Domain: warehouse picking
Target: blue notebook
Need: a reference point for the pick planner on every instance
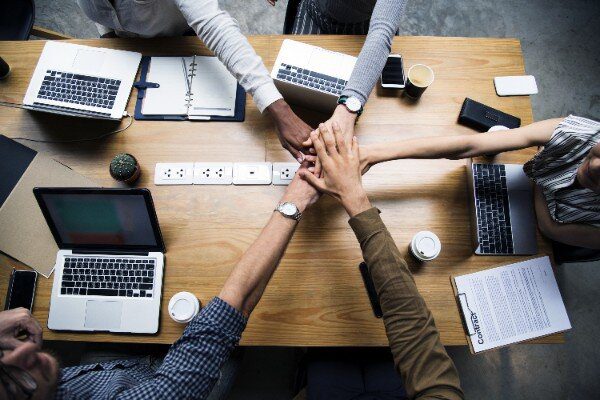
(197, 88)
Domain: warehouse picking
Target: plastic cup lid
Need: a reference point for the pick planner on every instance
(427, 244)
(183, 306)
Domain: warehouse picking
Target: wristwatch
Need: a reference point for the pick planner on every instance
(352, 104)
(289, 210)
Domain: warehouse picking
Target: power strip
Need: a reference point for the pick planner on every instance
(224, 173)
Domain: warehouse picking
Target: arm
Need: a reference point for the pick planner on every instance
(464, 146)
(419, 357)
(222, 35)
(572, 234)
(384, 24)
(371, 60)
(191, 368)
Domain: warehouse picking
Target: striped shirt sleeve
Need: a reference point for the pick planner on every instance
(554, 169)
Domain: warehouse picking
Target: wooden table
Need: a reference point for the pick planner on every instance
(316, 297)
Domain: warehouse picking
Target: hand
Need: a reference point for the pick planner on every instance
(15, 322)
(292, 131)
(300, 192)
(340, 161)
(345, 120)
(365, 160)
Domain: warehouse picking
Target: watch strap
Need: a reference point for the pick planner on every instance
(342, 100)
(295, 217)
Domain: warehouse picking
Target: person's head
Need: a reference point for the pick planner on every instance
(27, 369)
(588, 173)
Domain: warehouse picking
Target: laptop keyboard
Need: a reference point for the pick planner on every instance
(104, 276)
(79, 89)
(311, 79)
(493, 214)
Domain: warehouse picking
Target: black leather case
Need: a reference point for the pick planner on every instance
(481, 117)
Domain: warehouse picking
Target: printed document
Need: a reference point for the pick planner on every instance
(511, 304)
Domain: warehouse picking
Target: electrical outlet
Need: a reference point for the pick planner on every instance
(213, 173)
(283, 173)
(174, 174)
(252, 173)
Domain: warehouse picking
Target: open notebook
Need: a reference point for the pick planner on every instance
(193, 87)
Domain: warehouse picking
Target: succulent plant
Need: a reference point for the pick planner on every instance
(124, 167)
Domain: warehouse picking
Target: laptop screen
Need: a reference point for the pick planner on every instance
(100, 219)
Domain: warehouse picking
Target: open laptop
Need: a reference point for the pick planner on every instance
(82, 81)
(109, 267)
(311, 76)
(503, 218)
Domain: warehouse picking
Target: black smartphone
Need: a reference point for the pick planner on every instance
(21, 289)
(392, 76)
(371, 292)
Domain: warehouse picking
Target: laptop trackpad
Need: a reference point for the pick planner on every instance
(103, 315)
(89, 61)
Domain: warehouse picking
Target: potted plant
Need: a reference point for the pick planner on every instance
(125, 168)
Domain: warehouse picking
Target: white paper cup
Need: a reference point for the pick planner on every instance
(183, 307)
(425, 246)
(498, 128)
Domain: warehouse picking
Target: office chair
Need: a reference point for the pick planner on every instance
(16, 22)
(564, 253)
(290, 16)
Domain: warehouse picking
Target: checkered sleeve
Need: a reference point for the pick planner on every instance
(191, 368)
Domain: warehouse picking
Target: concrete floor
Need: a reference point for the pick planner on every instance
(561, 47)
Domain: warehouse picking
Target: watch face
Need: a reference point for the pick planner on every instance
(353, 104)
(288, 209)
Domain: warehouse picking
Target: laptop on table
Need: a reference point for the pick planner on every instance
(82, 81)
(109, 267)
(311, 76)
(502, 212)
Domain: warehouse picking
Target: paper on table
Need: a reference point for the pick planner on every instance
(214, 89)
(170, 97)
(511, 304)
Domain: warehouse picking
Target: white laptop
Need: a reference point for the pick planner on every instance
(311, 76)
(82, 81)
(109, 267)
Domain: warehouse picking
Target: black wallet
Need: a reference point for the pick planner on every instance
(481, 117)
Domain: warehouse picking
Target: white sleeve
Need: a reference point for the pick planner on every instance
(221, 34)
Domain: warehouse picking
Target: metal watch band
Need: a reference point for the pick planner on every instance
(295, 216)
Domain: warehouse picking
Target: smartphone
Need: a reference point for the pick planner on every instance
(371, 292)
(515, 85)
(21, 289)
(392, 76)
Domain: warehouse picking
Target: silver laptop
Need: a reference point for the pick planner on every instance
(503, 218)
(82, 81)
(311, 76)
(109, 267)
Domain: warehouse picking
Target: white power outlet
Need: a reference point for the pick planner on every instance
(252, 173)
(213, 173)
(283, 173)
(174, 174)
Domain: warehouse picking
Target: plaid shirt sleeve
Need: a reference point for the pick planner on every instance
(191, 368)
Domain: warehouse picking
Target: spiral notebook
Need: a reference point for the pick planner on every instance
(191, 87)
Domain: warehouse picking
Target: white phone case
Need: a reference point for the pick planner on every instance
(515, 85)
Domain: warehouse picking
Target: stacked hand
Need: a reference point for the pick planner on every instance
(15, 323)
(299, 192)
(339, 173)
